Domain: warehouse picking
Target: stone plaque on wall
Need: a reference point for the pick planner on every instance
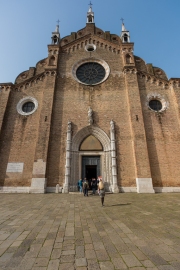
(15, 167)
(39, 167)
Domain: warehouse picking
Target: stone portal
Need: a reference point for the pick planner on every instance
(90, 167)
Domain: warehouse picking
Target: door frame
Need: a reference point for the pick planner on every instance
(91, 153)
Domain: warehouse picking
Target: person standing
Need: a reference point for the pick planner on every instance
(80, 185)
(94, 186)
(101, 190)
(85, 187)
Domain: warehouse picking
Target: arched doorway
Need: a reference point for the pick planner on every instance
(90, 165)
(90, 154)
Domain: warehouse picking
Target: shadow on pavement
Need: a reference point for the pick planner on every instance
(120, 204)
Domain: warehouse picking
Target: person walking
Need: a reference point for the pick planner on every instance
(101, 190)
(85, 187)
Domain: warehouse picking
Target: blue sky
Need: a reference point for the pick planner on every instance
(26, 27)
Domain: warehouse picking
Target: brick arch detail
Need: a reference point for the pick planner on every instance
(91, 130)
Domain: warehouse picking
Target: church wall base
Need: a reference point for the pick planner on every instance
(53, 190)
(38, 185)
(144, 185)
(166, 189)
(14, 189)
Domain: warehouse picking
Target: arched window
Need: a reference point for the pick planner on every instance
(90, 18)
(128, 59)
(52, 61)
(125, 38)
(55, 39)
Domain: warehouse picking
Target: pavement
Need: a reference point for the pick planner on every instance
(70, 231)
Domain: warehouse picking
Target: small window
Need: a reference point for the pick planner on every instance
(52, 61)
(28, 107)
(155, 105)
(125, 38)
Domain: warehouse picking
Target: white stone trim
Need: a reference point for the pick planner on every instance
(14, 189)
(23, 101)
(122, 189)
(87, 60)
(166, 189)
(128, 189)
(53, 190)
(155, 96)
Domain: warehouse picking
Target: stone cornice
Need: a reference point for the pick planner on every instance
(29, 82)
(91, 39)
(153, 79)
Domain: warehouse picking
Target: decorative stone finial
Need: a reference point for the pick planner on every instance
(56, 35)
(90, 14)
(125, 36)
(90, 116)
(69, 126)
(112, 124)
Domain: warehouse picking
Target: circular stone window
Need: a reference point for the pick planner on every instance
(156, 102)
(91, 71)
(155, 105)
(90, 47)
(27, 106)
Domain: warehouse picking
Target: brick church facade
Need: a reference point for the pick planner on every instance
(90, 108)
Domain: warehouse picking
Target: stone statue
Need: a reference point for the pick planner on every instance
(90, 114)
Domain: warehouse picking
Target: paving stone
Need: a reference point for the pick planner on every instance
(118, 263)
(106, 265)
(147, 263)
(67, 258)
(80, 252)
(102, 255)
(66, 266)
(68, 247)
(90, 254)
(55, 253)
(6, 257)
(93, 264)
(157, 260)
(53, 265)
(41, 262)
(45, 252)
(131, 260)
(81, 262)
(26, 264)
(165, 267)
(68, 252)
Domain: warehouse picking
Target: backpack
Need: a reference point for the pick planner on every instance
(85, 185)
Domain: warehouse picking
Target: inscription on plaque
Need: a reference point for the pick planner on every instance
(14, 167)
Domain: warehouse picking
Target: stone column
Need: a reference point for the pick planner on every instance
(115, 188)
(68, 158)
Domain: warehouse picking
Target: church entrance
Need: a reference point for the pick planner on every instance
(91, 171)
(90, 157)
(90, 167)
